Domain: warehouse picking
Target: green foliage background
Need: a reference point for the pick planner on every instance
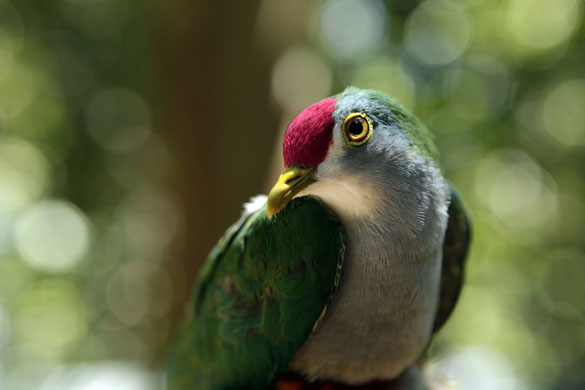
(131, 132)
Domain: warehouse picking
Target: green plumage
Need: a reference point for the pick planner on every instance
(257, 298)
(264, 286)
(455, 248)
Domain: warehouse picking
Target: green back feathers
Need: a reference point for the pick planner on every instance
(455, 250)
(258, 297)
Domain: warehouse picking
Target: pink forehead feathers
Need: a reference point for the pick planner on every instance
(308, 136)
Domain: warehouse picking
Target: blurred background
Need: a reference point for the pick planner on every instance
(131, 133)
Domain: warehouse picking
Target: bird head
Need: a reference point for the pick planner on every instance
(359, 136)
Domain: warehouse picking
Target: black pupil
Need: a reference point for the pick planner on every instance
(355, 127)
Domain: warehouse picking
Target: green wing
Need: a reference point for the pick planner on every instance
(455, 248)
(258, 297)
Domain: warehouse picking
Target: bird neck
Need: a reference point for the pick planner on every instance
(410, 209)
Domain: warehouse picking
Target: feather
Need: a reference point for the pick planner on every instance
(258, 297)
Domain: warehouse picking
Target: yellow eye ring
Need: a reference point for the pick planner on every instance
(357, 129)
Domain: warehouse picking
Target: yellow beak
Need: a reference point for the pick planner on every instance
(292, 180)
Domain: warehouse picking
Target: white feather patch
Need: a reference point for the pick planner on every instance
(254, 204)
(349, 198)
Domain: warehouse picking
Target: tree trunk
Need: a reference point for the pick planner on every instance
(214, 105)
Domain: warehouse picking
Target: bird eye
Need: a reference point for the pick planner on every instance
(357, 129)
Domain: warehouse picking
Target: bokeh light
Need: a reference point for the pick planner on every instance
(106, 375)
(24, 173)
(563, 114)
(353, 30)
(63, 322)
(52, 236)
(482, 89)
(150, 221)
(299, 78)
(512, 185)
(438, 32)
(11, 36)
(480, 368)
(542, 24)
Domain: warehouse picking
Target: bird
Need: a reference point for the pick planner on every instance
(343, 273)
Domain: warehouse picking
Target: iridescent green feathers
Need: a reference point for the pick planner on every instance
(258, 297)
